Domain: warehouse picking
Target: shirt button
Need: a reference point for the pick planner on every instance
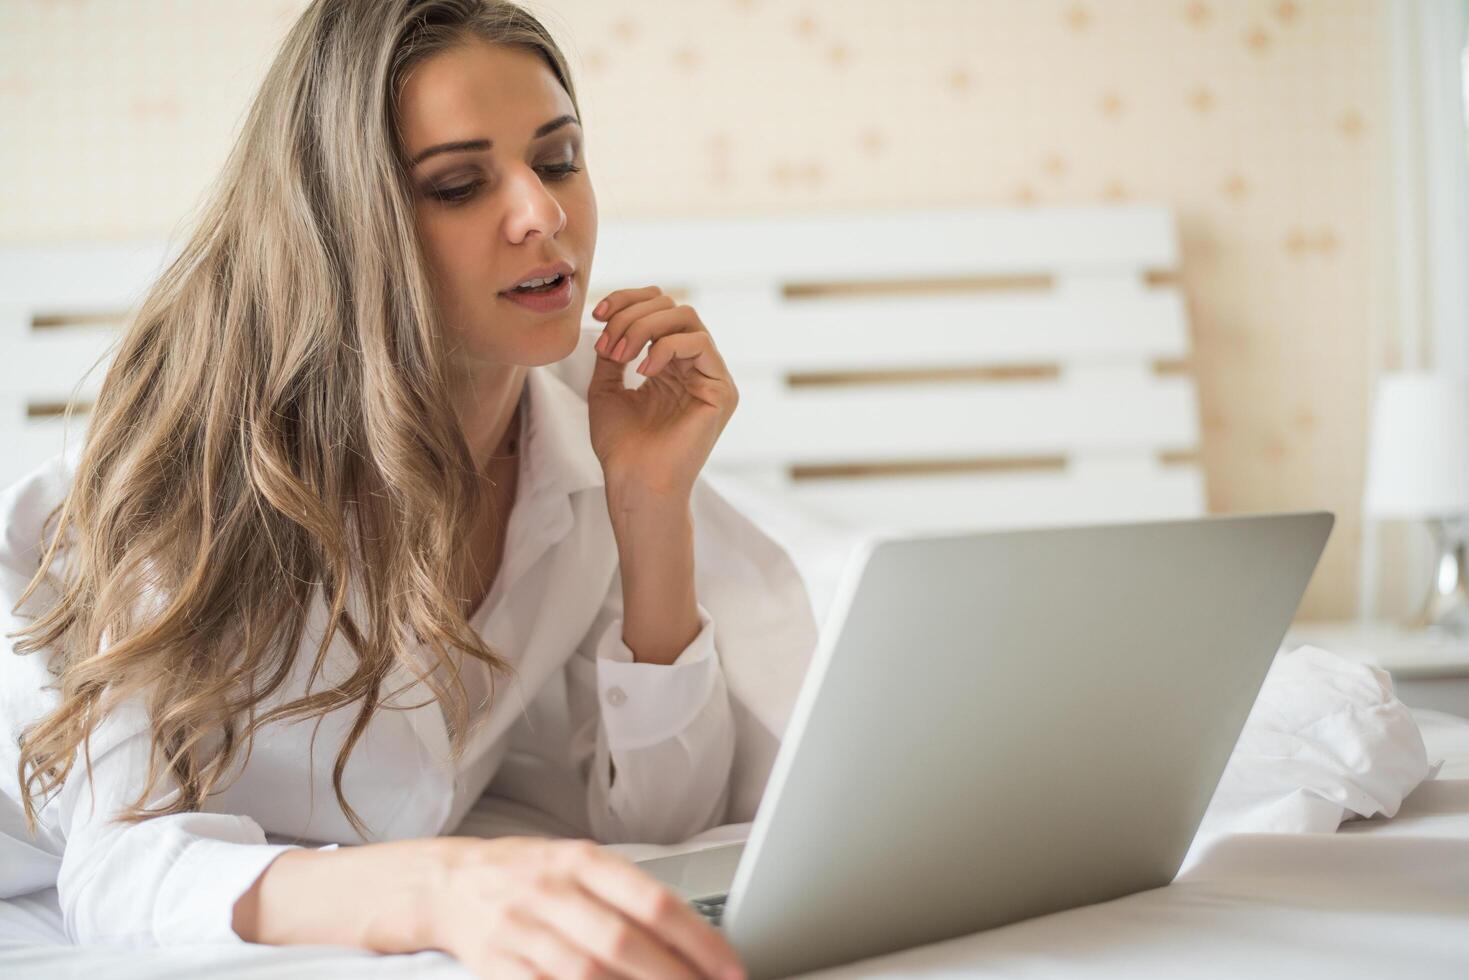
(616, 696)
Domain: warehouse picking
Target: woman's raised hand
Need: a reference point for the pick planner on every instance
(658, 435)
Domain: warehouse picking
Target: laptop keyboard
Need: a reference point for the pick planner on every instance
(711, 908)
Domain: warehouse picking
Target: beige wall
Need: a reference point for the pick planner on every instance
(1261, 122)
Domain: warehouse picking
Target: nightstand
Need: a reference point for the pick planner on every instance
(1428, 671)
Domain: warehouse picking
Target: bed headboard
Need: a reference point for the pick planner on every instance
(902, 369)
(60, 311)
(947, 369)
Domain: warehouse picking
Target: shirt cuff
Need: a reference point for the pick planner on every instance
(217, 873)
(644, 704)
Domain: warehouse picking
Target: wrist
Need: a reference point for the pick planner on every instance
(419, 914)
(381, 897)
(655, 551)
(634, 499)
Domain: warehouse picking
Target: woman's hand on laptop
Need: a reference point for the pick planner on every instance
(504, 907)
(528, 906)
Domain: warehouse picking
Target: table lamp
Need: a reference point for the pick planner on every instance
(1418, 469)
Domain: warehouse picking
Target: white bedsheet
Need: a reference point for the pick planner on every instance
(1380, 897)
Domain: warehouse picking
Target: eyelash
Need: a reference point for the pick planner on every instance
(462, 193)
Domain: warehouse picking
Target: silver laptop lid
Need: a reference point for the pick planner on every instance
(996, 726)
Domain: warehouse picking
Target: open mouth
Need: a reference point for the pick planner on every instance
(547, 287)
(547, 297)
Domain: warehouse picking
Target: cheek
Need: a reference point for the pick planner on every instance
(584, 212)
(456, 257)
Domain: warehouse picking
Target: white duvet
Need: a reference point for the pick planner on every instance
(1326, 741)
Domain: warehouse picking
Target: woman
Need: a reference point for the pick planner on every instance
(334, 514)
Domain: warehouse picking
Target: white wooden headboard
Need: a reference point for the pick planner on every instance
(902, 369)
(945, 369)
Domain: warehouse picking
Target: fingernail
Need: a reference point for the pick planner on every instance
(617, 351)
(601, 308)
(733, 973)
(602, 344)
(643, 367)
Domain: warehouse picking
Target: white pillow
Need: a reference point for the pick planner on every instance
(1327, 740)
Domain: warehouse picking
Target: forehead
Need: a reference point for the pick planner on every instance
(478, 90)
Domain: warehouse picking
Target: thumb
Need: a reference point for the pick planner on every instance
(607, 376)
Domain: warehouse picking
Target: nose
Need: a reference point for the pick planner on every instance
(532, 207)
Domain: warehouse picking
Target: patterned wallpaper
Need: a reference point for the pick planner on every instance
(1260, 121)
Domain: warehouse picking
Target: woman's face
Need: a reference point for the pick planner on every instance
(490, 212)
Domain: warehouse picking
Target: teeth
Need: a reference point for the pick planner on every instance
(532, 283)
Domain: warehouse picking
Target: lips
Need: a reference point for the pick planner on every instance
(552, 300)
(540, 272)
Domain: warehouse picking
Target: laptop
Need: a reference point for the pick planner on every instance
(1001, 725)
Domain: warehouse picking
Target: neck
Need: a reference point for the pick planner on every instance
(485, 405)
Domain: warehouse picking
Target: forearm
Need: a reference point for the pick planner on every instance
(655, 546)
(371, 897)
(488, 903)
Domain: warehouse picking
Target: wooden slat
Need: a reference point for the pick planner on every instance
(844, 245)
(29, 443)
(942, 331)
(47, 365)
(910, 376)
(1003, 501)
(877, 424)
(1033, 283)
(75, 279)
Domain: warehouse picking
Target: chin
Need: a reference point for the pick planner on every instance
(552, 341)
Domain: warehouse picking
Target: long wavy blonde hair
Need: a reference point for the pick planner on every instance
(274, 428)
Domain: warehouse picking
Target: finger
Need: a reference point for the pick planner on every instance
(643, 899)
(607, 374)
(614, 333)
(677, 319)
(619, 298)
(695, 348)
(716, 394)
(549, 950)
(609, 936)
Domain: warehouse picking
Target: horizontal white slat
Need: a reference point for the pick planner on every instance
(79, 278)
(28, 445)
(876, 423)
(47, 365)
(833, 246)
(949, 242)
(891, 333)
(993, 501)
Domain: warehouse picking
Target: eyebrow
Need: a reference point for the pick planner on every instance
(465, 146)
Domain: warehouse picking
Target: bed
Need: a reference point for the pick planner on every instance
(1380, 897)
(1016, 325)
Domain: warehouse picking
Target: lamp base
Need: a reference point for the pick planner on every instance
(1446, 607)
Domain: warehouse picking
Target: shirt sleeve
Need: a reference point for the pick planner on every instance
(166, 880)
(664, 741)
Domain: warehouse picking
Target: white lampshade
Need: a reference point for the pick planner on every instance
(1419, 454)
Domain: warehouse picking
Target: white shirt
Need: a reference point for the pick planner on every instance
(578, 701)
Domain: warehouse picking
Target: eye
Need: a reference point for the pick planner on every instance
(463, 192)
(456, 195)
(561, 171)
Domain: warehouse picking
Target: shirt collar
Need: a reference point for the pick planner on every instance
(558, 439)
